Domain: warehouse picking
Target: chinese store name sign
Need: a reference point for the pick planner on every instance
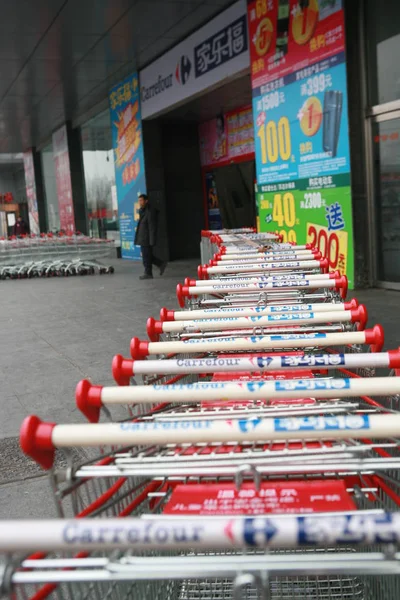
(298, 70)
(213, 53)
(126, 124)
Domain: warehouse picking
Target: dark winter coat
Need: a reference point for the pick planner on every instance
(20, 228)
(146, 231)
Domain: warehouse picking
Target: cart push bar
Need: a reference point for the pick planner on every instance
(91, 398)
(289, 531)
(269, 259)
(374, 337)
(255, 279)
(247, 311)
(204, 271)
(264, 257)
(156, 328)
(40, 439)
(124, 369)
(339, 284)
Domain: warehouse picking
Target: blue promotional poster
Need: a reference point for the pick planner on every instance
(302, 124)
(130, 178)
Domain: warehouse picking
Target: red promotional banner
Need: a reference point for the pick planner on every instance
(227, 137)
(289, 35)
(30, 185)
(278, 498)
(213, 141)
(240, 132)
(63, 180)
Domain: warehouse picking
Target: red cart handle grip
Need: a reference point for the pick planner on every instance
(167, 315)
(139, 350)
(360, 315)
(182, 292)
(88, 400)
(202, 272)
(351, 305)
(342, 285)
(35, 438)
(122, 369)
(154, 329)
(394, 359)
(375, 337)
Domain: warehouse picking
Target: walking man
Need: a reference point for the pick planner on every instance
(146, 237)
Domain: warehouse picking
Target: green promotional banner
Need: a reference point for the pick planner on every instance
(316, 210)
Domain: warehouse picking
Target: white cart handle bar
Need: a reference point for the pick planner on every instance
(124, 369)
(256, 258)
(340, 284)
(259, 257)
(249, 250)
(40, 439)
(156, 328)
(374, 337)
(204, 271)
(289, 531)
(262, 278)
(90, 398)
(210, 313)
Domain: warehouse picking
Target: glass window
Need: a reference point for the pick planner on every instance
(383, 49)
(50, 188)
(98, 162)
(386, 141)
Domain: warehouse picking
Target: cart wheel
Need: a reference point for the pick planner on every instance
(111, 270)
(92, 271)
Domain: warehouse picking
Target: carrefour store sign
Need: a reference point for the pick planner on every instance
(217, 51)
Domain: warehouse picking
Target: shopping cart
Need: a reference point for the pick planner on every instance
(249, 466)
(48, 256)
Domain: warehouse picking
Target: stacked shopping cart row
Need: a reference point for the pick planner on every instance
(53, 256)
(259, 456)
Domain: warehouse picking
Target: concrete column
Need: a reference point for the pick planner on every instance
(77, 179)
(357, 105)
(34, 187)
(155, 181)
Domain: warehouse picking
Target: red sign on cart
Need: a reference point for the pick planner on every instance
(285, 497)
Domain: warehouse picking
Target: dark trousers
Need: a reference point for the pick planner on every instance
(149, 259)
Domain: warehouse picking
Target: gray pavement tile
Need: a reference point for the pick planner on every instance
(33, 499)
(12, 414)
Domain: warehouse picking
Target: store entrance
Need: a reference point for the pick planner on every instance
(230, 196)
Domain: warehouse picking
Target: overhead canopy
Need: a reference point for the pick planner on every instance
(59, 58)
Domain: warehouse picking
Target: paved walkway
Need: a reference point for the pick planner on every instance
(58, 331)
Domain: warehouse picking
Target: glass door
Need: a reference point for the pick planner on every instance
(386, 174)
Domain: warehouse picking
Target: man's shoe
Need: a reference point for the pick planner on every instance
(145, 276)
(163, 267)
